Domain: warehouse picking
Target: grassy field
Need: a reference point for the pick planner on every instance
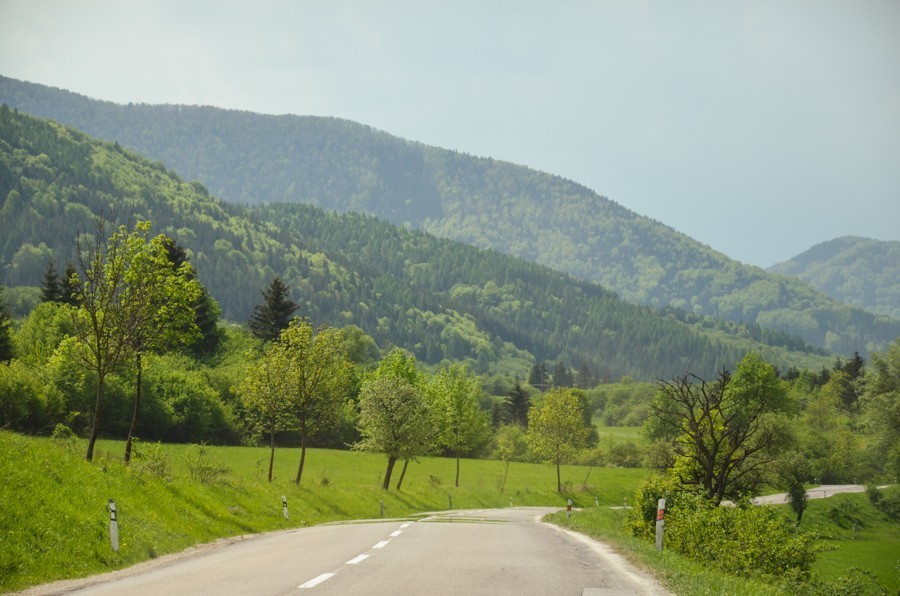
(54, 522)
(619, 434)
(855, 534)
(53, 504)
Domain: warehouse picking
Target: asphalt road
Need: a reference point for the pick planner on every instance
(497, 552)
(819, 492)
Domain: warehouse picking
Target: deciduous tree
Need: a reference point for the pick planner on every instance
(881, 409)
(100, 320)
(453, 396)
(510, 445)
(724, 430)
(556, 429)
(393, 420)
(158, 300)
(318, 377)
(264, 393)
(399, 364)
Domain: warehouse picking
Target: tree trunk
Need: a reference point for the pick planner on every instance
(387, 474)
(96, 422)
(558, 478)
(302, 457)
(402, 473)
(137, 410)
(271, 451)
(457, 469)
(505, 474)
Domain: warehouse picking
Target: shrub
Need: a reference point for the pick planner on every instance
(152, 459)
(201, 468)
(740, 540)
(642, 516)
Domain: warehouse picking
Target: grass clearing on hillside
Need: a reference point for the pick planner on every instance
(55, 524)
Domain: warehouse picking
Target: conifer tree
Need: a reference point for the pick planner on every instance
(538, 376)
(51, 288)
(273, 316)
(67, 287)
(561, 375)
(516, 406)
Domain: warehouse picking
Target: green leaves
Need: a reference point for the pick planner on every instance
(725, 431)
(556, 429)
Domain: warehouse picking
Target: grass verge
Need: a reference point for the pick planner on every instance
(853, 534)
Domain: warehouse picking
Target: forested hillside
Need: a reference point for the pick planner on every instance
(336, 164)
(858, 271)
(440, 299)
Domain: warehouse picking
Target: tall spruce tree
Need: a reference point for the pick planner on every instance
(516, 406)
(271, 317)
(538, 376)
(52, 287)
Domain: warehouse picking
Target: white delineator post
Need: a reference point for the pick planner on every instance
(569, 509)
(660, 522)
(113, 526)
(284, 506)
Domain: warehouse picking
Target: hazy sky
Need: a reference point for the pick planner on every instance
(760, 128)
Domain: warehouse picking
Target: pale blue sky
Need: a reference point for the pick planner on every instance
(760, 128)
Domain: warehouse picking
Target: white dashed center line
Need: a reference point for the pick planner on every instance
(355, 560)
(316, 581)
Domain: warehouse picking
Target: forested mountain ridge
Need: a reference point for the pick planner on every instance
(859, 271)
(336, 164)
(438, 298)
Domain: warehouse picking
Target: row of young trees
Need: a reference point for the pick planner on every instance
(303, 381)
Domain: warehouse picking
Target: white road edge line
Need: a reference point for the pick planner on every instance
(356, 560)
(316, 581)
(396, 533)
(381, 544)
(404, 526)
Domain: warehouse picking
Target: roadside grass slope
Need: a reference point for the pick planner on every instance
(54, 522)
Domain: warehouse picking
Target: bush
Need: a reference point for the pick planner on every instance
(27, 402)
(642, 516)
(740, 540)
(202, 468)
(152, 459)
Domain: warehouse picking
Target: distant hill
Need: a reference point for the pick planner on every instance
(248, 158)
(859, 271)
(441, 299)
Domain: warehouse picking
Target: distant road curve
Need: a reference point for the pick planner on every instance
(820, 492)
